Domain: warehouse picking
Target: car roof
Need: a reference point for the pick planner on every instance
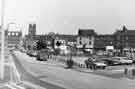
(119, 57)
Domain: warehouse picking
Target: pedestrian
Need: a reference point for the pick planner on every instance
(86, 63)
(125, 71)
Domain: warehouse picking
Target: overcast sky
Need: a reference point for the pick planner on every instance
(67, 16)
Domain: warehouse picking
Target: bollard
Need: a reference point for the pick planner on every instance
(125, 71)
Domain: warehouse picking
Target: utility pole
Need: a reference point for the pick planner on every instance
(2, 41)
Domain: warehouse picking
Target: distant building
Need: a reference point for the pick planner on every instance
(102, 41)
(124, 39)
(30, 40)
(86, 39)
(13, 38)
(32, 30)
(68, 40)
(64, 42)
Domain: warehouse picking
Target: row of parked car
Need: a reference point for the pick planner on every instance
(104, 62)
(41, 55)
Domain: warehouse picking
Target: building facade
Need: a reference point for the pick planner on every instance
(124, 39)
(85, 40)
(13, 38)
(102, 41)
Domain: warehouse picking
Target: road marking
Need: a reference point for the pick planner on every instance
(33, 85)
(10, 86)
(7, 64)
(14, 86)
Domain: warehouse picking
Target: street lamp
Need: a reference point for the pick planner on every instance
(2, 41)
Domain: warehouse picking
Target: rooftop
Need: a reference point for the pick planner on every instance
(86, 32)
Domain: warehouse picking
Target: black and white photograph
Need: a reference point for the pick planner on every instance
(67, 44)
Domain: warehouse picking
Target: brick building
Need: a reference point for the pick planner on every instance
(124, 39)
(102, 41)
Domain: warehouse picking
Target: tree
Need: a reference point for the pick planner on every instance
(41, 45)
(70, 61)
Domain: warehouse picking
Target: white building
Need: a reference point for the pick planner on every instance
(85, 40)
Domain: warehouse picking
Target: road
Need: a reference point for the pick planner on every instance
(69, 78)
(14, 79)
(30, 78)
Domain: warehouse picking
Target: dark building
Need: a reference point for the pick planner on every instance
(124, 39)
(29, 40)
(32, 30)
(101, 41)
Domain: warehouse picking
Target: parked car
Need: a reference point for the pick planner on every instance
(100, 64)
(110, 61)
(90, 63)
(32, 53)
(122, 60)
(42, 55)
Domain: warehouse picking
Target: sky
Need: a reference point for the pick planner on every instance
(67, 16)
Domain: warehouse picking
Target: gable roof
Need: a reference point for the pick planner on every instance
(86, 32)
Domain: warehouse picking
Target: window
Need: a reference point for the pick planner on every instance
(9, 34)
(89, 37)
(126, 37)
(16, 34)
(80, 38)
(118, 37)
(80, 42)
(89, 42)
(13, 34)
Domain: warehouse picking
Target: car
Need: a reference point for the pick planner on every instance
(110, 61)
(122, 60)
(42, 55)
(100, 64)
(32, 53)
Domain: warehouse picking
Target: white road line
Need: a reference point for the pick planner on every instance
(33, 85)
(14, 72)
(16, 86)
(10, 86)
(7, 64)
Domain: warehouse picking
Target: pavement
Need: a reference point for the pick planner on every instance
(69, 78)
(12, 78)
(26, 76)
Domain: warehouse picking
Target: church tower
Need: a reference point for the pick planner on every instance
(32, 30)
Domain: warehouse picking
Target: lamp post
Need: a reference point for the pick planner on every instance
(2, 41)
